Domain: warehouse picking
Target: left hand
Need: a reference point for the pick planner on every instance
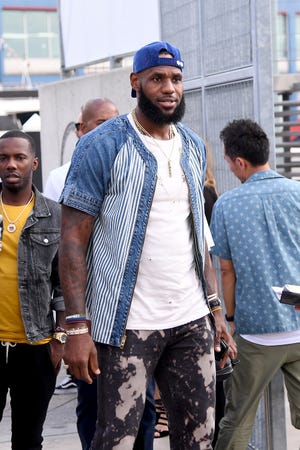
(222, 332)
(57, 349)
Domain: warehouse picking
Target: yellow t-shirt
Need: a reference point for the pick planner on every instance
(11, 323)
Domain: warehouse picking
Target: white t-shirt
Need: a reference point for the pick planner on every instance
(168, 292)
(56, 181)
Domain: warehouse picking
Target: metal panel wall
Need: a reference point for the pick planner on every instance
(226, 47)
(227, 53)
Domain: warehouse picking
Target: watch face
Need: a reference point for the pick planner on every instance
(61, 337)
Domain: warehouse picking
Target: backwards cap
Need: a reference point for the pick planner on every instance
(149, 56)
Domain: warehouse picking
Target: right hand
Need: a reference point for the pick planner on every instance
(80, 355)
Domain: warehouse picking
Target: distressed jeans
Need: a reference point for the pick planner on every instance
(182, 361)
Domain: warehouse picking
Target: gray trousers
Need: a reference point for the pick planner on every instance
(182, 361)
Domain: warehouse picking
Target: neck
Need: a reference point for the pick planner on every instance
(16, 198)
(163, 132)
(253, 169)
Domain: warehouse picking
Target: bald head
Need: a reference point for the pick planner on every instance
(97, 111)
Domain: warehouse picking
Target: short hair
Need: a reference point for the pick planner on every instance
(244, 138)
(20, 134)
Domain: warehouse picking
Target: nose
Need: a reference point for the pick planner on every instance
(11, 163)
(168, 85)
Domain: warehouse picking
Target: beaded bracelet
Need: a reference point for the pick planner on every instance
(74, 331)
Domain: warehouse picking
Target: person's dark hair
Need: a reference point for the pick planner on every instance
(20, 134)
(246, 139)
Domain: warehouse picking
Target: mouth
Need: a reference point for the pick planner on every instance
(167, 102)
(11, 177)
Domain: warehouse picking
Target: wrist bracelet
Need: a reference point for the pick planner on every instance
(212, 296)
(60, 330)
(229, 318)
(74, 331)
(216, 308)
(214, 301)
(75, 317)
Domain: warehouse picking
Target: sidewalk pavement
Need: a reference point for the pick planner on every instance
(60, 431)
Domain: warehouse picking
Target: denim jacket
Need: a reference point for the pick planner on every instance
(39, 288)
(113, 178)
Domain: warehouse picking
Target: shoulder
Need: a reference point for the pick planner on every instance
(44, 204)
(109, 136)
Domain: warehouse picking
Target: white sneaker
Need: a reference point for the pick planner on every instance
(67, 386)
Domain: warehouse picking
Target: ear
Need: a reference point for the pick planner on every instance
(83, 127)
(134, 81)
(35, 164)
(242, 163)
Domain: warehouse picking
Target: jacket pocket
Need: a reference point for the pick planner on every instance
(44, 248)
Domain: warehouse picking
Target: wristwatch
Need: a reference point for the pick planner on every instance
(60, 336)
(229, 318)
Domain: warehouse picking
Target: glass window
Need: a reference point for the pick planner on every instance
(297, 35)
(54, 47)
(14, 48)
(30, 34)
(13, 22)
(38, 47)
(281, 36)
(36, 22)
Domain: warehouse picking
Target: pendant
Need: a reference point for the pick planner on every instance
(170, 168)
(11, 227)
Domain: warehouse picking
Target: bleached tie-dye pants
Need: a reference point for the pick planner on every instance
(182, 362)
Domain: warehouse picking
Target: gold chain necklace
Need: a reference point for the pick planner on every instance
(11, 227)
(145, 132)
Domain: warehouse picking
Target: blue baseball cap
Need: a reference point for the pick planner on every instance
(149, 56)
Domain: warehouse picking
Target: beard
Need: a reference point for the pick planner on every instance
(153, 113)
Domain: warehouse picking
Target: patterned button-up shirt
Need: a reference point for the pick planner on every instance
(257, 227)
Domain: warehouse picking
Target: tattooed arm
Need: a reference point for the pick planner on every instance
(80, 352)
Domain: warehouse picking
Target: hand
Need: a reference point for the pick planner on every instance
(222, 332)
(80, 355)
(56, 351)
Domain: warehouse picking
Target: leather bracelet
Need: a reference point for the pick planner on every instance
(229, 318)
(74, 331)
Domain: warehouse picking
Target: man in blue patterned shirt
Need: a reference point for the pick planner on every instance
(256, 233)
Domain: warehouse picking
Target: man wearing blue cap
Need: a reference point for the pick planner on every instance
(132, 251)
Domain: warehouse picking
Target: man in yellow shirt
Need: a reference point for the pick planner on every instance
(31, 345)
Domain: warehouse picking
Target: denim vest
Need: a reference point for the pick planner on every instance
(112, 177)
(39, 287)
